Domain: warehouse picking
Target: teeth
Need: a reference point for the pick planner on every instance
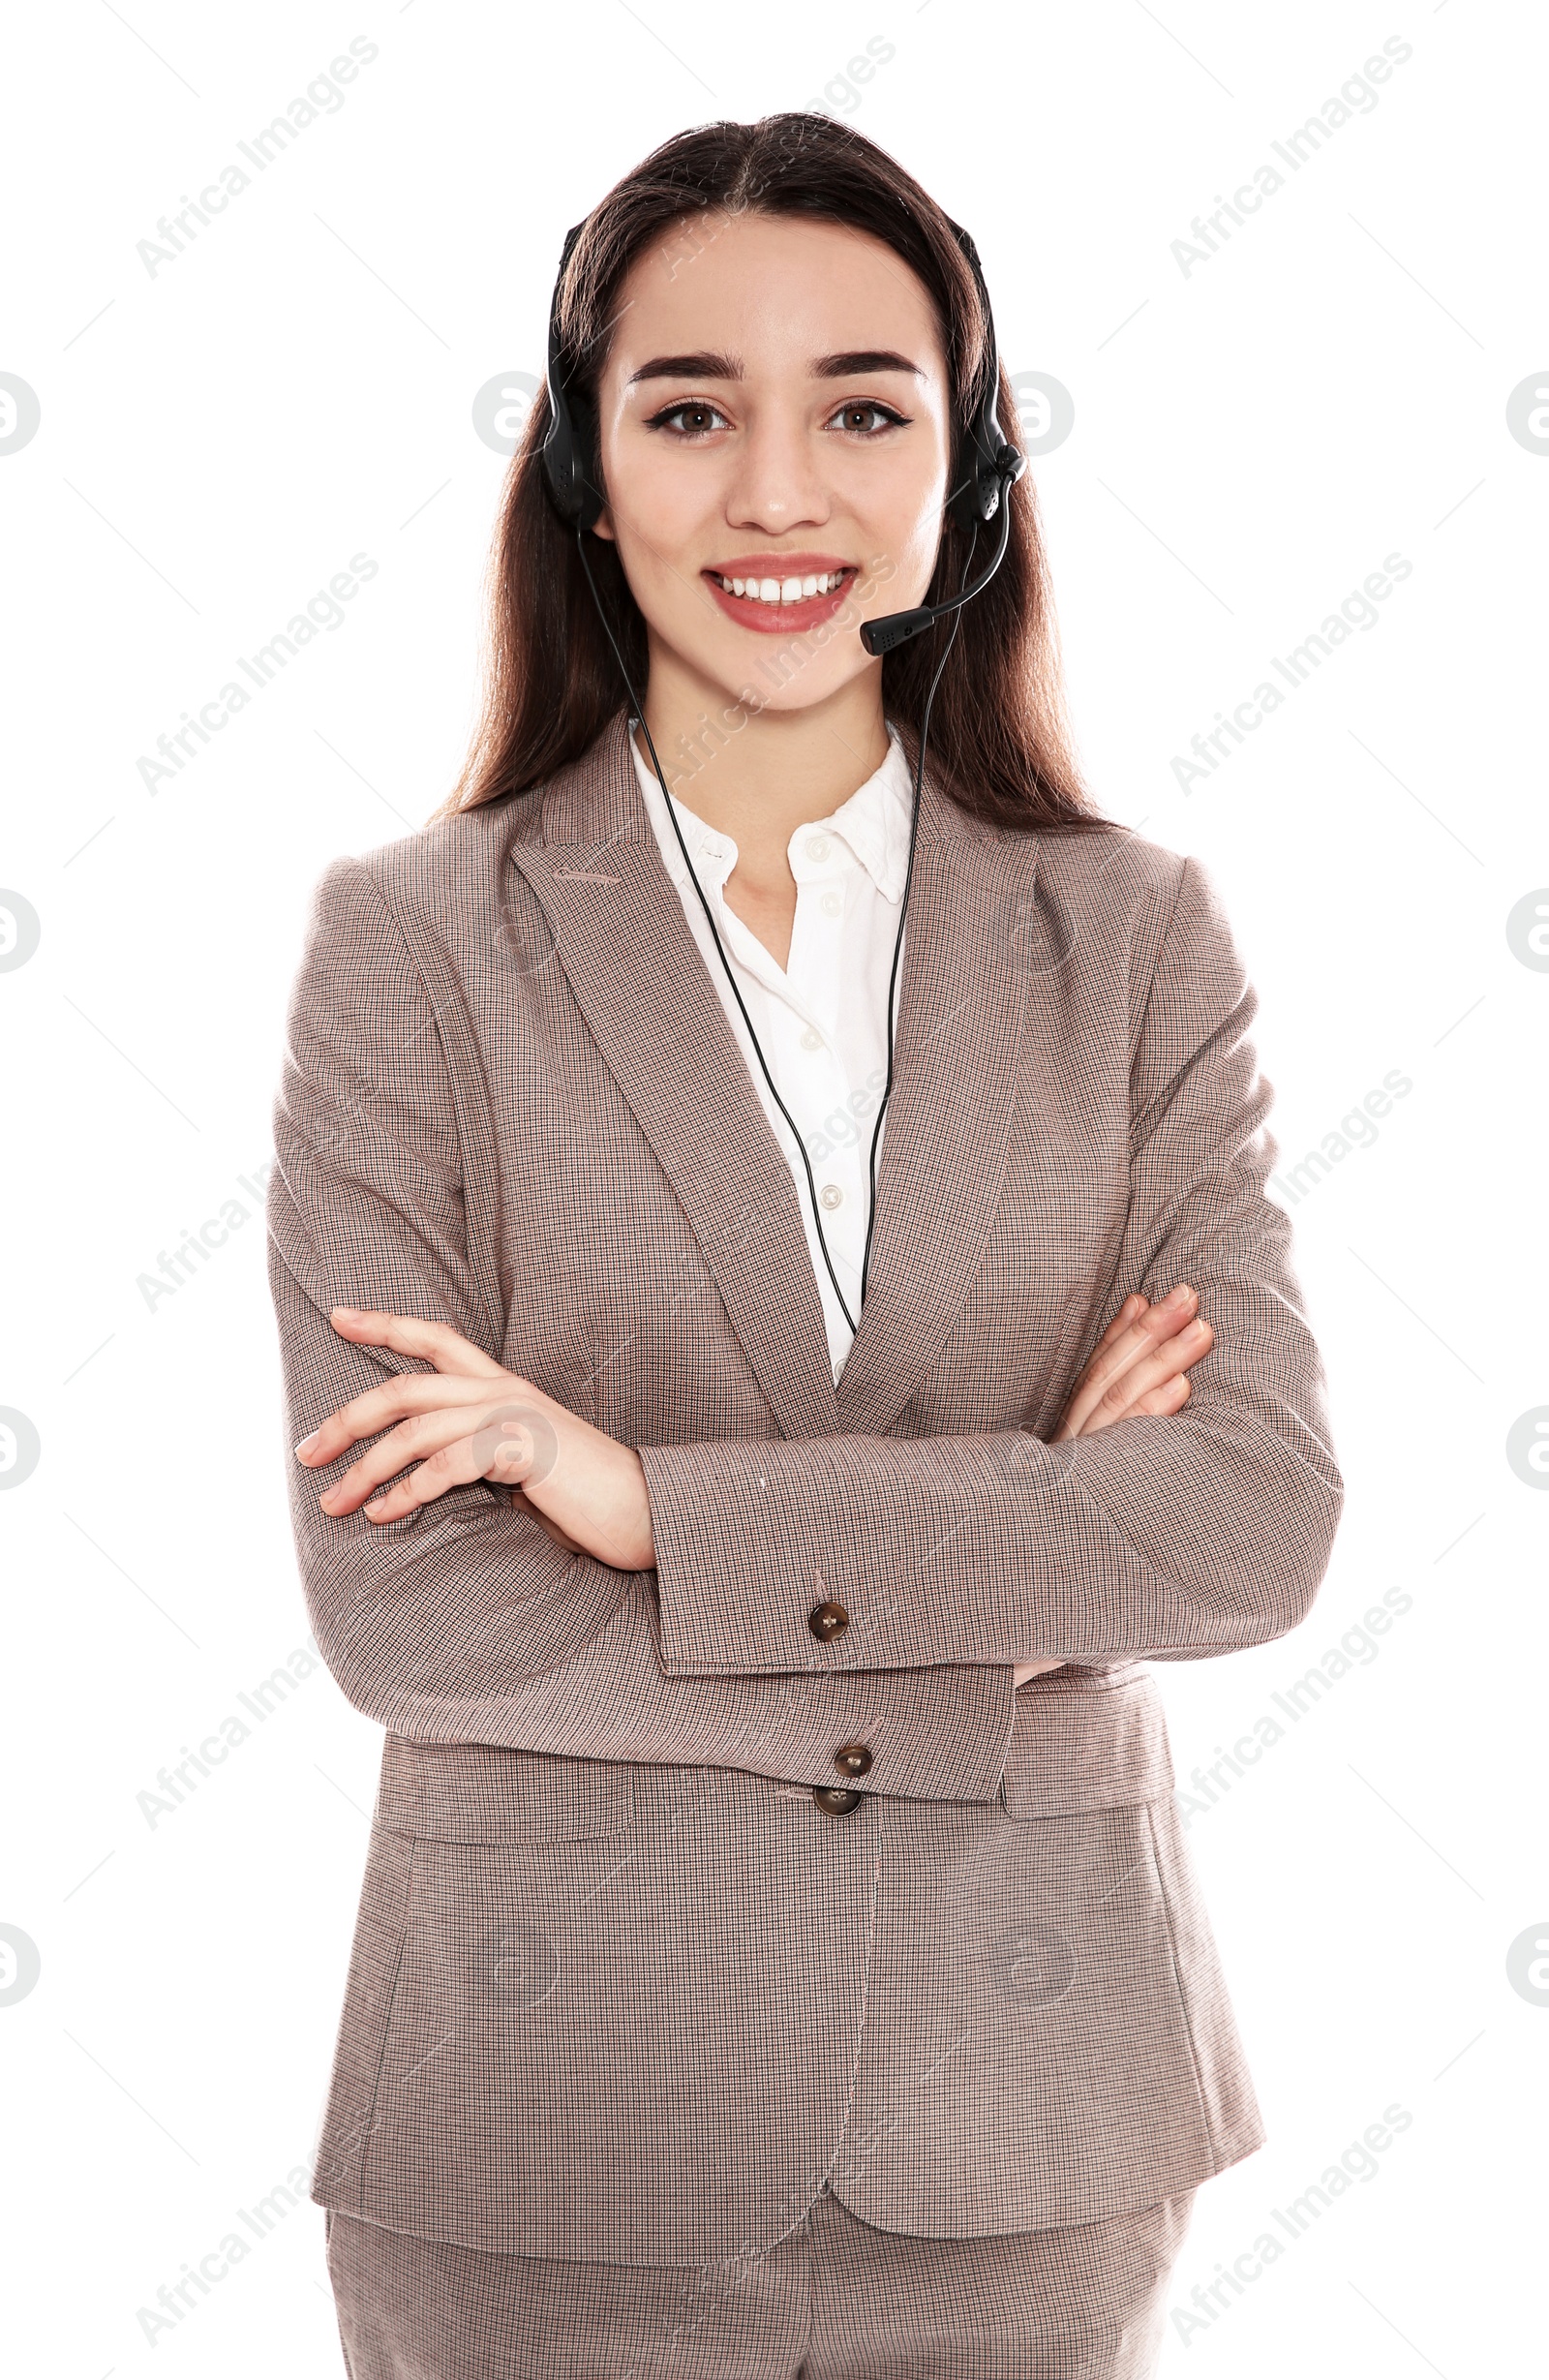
(783, 590)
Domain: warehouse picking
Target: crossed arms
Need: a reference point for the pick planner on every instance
(1178, 1527)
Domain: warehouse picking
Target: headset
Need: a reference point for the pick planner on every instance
(986, 468)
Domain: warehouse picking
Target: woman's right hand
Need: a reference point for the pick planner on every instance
(1139, 1365)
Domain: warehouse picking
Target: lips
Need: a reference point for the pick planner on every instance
(792, 590)
(781, 594)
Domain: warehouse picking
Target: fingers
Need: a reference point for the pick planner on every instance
(1155, 1365)
(405, 1393)
(460, 1369)
(512, 1442)
(441, 1345)
(424, 1435)
(1085, 1392)
(1157, 1385)
(1130, 1311)
(1168, 1398)
(453, 1465)
(1155, 1376)
(1118, 1351)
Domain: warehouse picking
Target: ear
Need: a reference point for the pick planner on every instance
(602, 527)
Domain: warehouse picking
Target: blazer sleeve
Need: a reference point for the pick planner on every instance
(1176, 1536)
(464, 1622)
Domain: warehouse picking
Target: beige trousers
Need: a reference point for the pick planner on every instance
(836, 2300)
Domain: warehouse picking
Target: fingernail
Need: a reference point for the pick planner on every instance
(1181, 1295)
(348, 1311)
(306, 1445)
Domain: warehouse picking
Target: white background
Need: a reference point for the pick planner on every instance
(1251, 437)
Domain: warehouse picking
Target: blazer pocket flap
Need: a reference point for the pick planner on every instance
(490, 1793)
(1086, 1740)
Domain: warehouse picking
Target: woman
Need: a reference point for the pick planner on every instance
(777, 1953)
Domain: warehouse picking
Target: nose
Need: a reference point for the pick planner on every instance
(780, 482)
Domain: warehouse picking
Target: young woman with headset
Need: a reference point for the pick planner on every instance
(772, 1260)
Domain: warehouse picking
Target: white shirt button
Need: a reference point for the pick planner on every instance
(833, 901)
(831, 1196)
(811, 1039)
(817, 846)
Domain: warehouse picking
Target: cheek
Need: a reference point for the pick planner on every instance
(659, 518)
(922, 537)
(661, 506)
(903, 519)
(649, 492)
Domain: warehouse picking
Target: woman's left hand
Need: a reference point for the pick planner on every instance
(471, 1419)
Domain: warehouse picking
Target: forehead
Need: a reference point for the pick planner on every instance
(776, 292)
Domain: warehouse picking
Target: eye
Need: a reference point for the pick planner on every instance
(697, 417)
(867, 417)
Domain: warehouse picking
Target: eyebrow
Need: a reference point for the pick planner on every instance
(729, 367)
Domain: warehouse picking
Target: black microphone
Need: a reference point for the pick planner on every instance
(880, 636)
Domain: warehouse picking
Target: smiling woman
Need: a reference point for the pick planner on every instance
(791, 304)
(778, 1952)
(770, 435)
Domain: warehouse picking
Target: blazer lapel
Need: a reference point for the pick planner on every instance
(634, 967)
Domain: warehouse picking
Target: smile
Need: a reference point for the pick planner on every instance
(785, 605)
(782, 590)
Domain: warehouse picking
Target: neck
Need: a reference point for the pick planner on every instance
(764, 772)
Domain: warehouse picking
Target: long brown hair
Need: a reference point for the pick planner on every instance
(999, 739)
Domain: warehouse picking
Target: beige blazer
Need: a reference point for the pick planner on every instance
(621, 1986)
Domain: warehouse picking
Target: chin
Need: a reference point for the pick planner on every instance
(790, 674)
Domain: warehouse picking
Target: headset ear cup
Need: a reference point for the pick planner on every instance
(583, 463)
(977, 481)
(569, 447)
(967, 502)
(554, 459)
(566, 456)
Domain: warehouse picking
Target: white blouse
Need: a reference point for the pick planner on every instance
(821, 1020)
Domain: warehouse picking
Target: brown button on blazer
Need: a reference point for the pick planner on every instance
(620, 1987)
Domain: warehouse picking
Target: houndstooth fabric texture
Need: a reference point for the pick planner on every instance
(621, 1991)
(836, 2300)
